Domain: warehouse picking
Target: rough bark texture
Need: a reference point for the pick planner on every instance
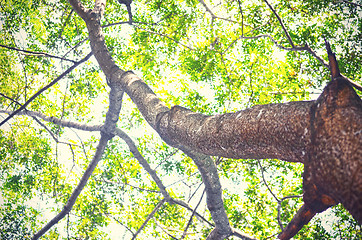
(325, 135)
(301, 218)
(333, 171)
(265, 131)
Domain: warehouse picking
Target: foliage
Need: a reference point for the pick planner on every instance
(208, 64)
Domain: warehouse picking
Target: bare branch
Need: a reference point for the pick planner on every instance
(37, 54)
(143, 162)
(58, 121)
(266, 184)
(159, 204)
(352, 3)
(46, 87)
(71, 201)
(281, 24)
(192, 215)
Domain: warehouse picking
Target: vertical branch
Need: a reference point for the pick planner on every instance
(215, 204)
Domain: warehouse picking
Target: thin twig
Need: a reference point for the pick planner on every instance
(185, 205)
(266, 184)
(192, 215)
(279, 201)
(352, 3)
(37, 54)
(213, 16)
(124, 225)
(159, 204)
(169, 234)
(281, 24)
(47, 87)
(242, 18)
(241, 236)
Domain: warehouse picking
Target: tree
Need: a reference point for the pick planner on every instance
(75, 147)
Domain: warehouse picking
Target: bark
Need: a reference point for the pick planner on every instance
(333, 172)
(325, 135)
(265, 131)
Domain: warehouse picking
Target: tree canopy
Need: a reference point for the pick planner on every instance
(185, 119)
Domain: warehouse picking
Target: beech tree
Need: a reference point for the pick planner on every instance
(180, 119)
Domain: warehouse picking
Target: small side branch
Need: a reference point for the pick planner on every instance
(71, 201)
(266, 184)
(37, 54)
(192, 215)
(281, 24)
(352, 3)
(275, 197)
(47, 87)
(142, 161)
(149, 217)
(57, 121)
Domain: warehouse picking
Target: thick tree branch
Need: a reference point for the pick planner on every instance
(264, 131)
(282, 131)
(79, 8)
